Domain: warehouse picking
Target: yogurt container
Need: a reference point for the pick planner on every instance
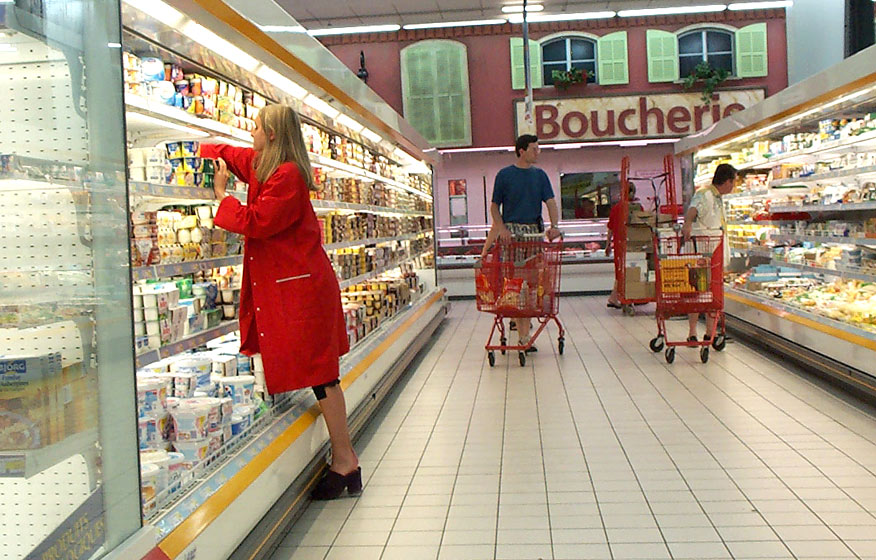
(153, 431)
(184, 385)
(161, 459)
(214, 415)
(239, 388)
(191, 420)
(227, 410)
(215, 441)
(149, 486)
(151, 396)
(193, 451)
(244, 364)
(201, 366)
(241, 419)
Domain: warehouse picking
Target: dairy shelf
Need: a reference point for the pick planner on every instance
(867, 241)
(842, 272)
(331, 205)
(374, 241)
(141, 188)
(829, 176)
(344, 284)
(870, 205)
(187, 343)
(155, 272)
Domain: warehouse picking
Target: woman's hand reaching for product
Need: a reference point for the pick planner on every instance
(220, 179)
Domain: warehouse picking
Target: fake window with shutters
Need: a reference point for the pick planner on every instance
(435, 91)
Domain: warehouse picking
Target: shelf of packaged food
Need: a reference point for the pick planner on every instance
(374, 241)
(344, 284)
(866, 241)
(843, 145)
(177, 117)
(187, 343)
(829, 176)
(317, 160)
(141, 188)
(755, 250)
(842, 272)
(26, 463)
(755, 223)
(333, 205)
(756, 193)
(795, 310)
(178, 269)
(870, 205)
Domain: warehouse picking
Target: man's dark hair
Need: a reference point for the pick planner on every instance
(523, 143)
(725, 172)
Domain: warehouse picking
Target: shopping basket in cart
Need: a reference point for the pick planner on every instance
(690, 279)
(520, 279)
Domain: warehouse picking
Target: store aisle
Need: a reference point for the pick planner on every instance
(605, 452)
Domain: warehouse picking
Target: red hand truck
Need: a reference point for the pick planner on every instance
(520, 279)
(690, 279)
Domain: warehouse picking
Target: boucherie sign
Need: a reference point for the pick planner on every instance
(635, 116)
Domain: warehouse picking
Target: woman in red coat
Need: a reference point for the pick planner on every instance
(290, 304)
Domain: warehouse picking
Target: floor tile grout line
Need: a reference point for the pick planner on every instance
(742, 441)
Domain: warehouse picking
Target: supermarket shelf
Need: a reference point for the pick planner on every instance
(188, 343)
(842, 207)
(344, 284)
(374, 241)
(818, 177)
(317, 160)
(755, 250)
(172, 191)
(329, 205)
(837, 147)
(176, 117)
(844, 273)
(746, 194)
(29, 462)
(757, 223)
(867, 241)
(178, 269)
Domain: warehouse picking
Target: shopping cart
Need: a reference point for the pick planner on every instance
(690, 279)
(520, 279)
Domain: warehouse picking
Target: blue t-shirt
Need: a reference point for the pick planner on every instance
(520, 192)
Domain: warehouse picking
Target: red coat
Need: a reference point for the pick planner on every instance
(290, 301)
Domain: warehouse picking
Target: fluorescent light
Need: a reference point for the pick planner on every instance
(114, 45)
(281, 81)
(518, 18)
(158, 10)
(759, 5)
(220, 46)
(455, 23)
(371, 135)
(518, 8)
(140, 118)
(282, 28)
(7, 47)
(353, 30)
(352, 124)
(487, 149)
(321, 106)
(672, 11)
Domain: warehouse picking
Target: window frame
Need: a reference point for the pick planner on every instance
(704, 55)
(567, 38)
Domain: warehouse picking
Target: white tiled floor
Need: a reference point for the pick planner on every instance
(605, 452)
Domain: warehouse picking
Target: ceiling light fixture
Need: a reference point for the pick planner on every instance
(454, 24)
(673, 11)
(352, 124)
(220, 46)
(371, 135)
(321, 106)
(158, 10)
(282, 28)
(139, 118)
(736, 6)
(353, 30)
(518, 8)
(285, 84)
(518, 18)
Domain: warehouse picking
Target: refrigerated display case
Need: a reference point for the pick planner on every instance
(801, 225)
(586, 269)
(121, 295)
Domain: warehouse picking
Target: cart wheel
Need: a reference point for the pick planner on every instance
(657, 344)
(670, 355)
(704, 354)
(491, 357)
(629, 310)
(522, 357)
(719, 343)
(561, 345)
(503, 342)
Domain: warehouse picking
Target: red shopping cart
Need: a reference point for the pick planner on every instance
(690, 279)
(520, 279)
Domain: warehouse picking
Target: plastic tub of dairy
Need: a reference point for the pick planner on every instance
(227, 410)
(191, 420)
(239, 388)
(153, 430)
(149, 475)
(215, 441)
(214, 415)
(193, 451)
(184, 385)
(242, 418)
(200, 365)
(151, 396)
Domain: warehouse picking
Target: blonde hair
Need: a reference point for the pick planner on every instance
(283, 123)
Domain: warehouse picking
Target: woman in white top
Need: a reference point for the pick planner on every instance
(705, 216)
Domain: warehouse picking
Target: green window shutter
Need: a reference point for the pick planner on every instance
(435, 92)
(751, 51)
(518, 75)
(662, 56)
(612, 59)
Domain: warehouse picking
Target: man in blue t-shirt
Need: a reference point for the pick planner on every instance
(518, 193)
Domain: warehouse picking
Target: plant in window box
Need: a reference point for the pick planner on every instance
(711, 78)
(565, 78)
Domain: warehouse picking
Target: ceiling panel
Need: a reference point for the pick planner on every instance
(313, 15)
